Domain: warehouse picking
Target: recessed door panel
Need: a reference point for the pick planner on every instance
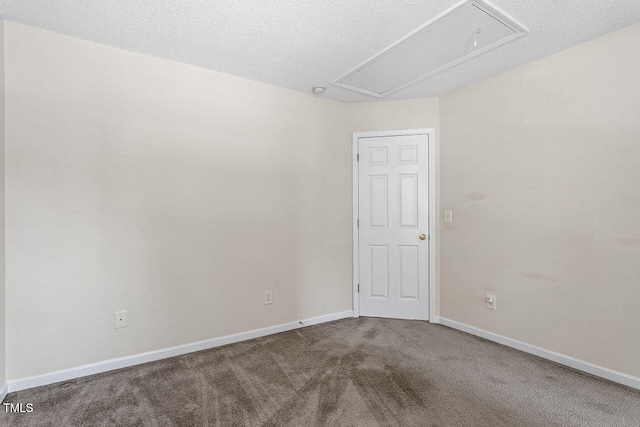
(408, 203)
(378, 156)
(408, 155)
(409, 272)
(379, 201)
(379, 278)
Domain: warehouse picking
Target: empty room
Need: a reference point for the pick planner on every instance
(320, 213)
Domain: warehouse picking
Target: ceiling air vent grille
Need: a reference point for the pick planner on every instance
(465, 31)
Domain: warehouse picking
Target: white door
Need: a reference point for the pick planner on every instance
(393, 211)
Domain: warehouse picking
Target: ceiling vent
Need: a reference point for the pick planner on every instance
(465, 31)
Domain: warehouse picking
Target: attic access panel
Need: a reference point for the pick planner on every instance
(459, 34)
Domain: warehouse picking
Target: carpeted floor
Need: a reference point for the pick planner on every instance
(352, 372)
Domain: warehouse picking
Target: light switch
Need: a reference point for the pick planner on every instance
(448, 216)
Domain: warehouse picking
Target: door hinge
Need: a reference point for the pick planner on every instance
(357, 157)
(358, 287)
(358, 223)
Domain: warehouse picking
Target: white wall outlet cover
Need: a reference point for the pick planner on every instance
(448, 216)
(268, 297)
(120, 319)
(490, 300)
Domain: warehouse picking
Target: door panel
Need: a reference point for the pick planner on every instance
(408, 192)
(379, 200)
(393, 212)
(379, 277)
(409, 272)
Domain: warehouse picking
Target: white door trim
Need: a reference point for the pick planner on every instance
(433, 235)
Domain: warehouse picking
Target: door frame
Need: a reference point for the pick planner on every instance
(433, 235)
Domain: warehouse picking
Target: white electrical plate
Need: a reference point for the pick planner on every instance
(120, 318)
(491, 302)
(465, 31)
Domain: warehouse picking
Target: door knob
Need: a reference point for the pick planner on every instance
(423, 236)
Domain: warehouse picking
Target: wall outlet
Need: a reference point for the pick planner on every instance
(268, 297)
(121, 319)
(490, 300)
(448, 216)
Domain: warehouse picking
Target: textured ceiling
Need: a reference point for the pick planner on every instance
(299, 44)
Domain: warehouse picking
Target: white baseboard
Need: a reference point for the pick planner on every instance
(4, 391)
(435, 319)
(562, 359)
(151, 356)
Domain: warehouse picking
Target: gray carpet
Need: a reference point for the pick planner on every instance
(352, 372)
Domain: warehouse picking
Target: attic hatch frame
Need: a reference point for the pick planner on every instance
(486, 7)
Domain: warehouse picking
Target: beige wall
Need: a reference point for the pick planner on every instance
(3, 371)
(540, 166)
(391, 115)
(176, 193)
